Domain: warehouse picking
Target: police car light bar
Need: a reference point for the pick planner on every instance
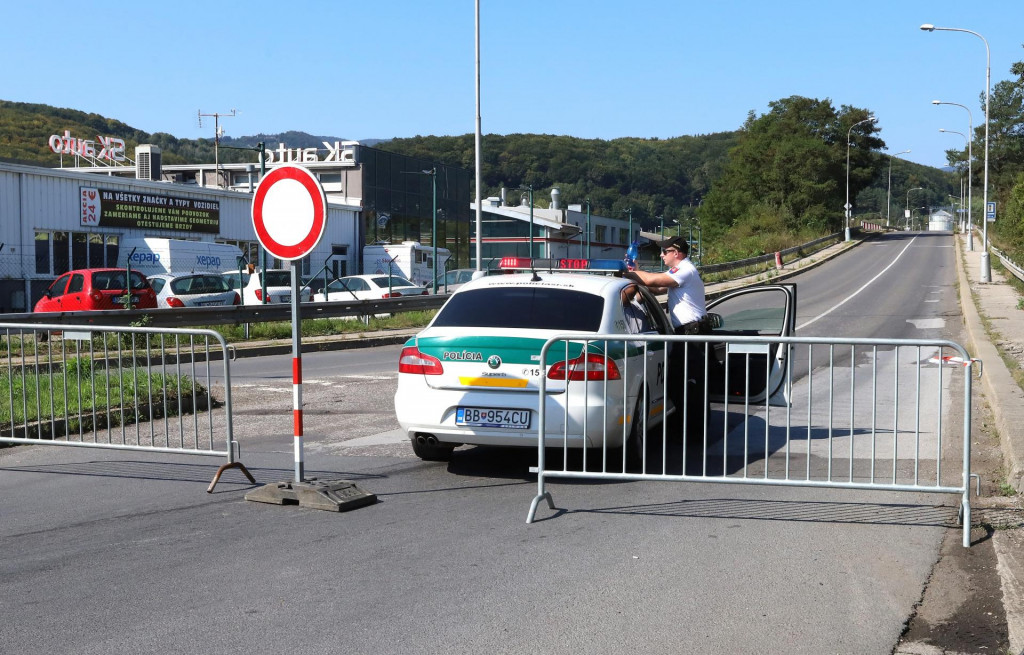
(564, 264)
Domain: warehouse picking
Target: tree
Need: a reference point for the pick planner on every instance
(792, 160)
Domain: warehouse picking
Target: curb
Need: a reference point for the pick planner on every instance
(1005, 398)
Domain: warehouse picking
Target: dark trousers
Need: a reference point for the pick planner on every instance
(686, 371)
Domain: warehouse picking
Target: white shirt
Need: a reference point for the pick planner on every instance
(685, 300)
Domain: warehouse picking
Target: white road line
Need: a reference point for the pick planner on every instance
(866, 285)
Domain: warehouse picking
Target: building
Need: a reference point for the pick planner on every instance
(54, 220)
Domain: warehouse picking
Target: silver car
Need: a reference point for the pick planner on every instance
(192, 290)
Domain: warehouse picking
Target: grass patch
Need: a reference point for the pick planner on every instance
(321, 327)
(78, 388)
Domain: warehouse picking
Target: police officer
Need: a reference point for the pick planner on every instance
(688, 314)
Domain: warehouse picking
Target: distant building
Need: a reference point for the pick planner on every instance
(940, 221)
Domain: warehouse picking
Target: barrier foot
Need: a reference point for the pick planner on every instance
(536, 501)
(332, 495)
(224, 467)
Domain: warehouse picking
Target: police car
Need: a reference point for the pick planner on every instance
(473, 375)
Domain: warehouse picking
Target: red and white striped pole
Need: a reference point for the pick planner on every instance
(297, 375)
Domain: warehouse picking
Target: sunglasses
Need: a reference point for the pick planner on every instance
(665, 251)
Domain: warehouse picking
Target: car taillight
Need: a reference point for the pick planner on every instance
(425, 293)
(592, 367)
(413, 361)
(393, 294)
(236, 300)
(175, 302)
(259, 295)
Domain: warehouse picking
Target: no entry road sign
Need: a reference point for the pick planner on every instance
(289, 212)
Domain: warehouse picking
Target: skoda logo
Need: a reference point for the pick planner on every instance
(494, 361)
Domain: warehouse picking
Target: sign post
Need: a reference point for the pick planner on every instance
(289, 212)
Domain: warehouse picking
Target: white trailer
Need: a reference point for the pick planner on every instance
(409, 259)
(151, 255)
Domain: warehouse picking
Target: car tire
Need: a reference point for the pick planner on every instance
(635, 440)
(432, 453)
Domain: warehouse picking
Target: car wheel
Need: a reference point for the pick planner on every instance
(431, 452)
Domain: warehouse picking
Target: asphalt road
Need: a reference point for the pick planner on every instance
(113, 552)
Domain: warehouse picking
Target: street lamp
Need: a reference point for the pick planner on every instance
(529, 188)
(433, 213)
(986, 271)
(970, 169)
(968, 141)
(888, 193)
(907, 213)
(629, 235)
(587, 203)
(849, 135)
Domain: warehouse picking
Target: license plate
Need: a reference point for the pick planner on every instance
(135, 299)
(490, 417)
(208, 303)
(286, 298)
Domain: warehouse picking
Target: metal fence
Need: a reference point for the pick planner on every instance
(144, 389)
(888, 415)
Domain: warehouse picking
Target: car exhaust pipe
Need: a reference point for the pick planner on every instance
(431, 440)
(421, 439)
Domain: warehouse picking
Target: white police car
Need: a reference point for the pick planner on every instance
(473, 375)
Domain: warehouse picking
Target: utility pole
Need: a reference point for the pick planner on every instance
(217, 134)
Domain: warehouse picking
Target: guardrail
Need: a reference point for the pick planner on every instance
(1009, 264)
(234, 315)
(770, 257)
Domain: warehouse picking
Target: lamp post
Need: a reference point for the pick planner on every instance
(907, 214)
(629, 235)
(433, 213)
(587, 203)
(968, 142)
(888, 193)
(849, 135)
(986, 271)
(970, 168)
(529, 189)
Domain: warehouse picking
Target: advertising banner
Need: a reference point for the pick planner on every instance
(148, 211)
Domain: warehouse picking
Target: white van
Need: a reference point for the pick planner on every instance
(409, 259)
(152, 255)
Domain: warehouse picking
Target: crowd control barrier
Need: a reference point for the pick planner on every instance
(145, 389)
(854, 413)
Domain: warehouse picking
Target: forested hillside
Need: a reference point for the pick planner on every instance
(780, 178)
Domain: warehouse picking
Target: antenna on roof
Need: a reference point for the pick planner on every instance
(218, 132)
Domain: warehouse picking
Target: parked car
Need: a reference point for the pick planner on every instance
(472, 375)
(278, 284)
(89, 289)
(193, 290)
(369, 287)
(454, 279)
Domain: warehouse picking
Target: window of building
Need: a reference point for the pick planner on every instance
(600, 233)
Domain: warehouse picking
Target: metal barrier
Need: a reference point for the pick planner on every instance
(859, 414)
(125, 388)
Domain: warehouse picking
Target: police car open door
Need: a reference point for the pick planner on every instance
(751, 371)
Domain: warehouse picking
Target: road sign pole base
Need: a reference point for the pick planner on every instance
(328, 495)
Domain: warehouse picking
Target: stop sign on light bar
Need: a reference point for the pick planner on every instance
(289, 212)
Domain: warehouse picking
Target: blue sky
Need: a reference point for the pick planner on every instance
(592, 69)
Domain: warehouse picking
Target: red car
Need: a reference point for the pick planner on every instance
(96, 288)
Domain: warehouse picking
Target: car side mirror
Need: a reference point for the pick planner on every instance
(714, 320)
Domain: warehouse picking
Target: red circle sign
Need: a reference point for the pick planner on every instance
(289, 212)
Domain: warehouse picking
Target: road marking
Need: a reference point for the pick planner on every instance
(927, 323)
(866, 285)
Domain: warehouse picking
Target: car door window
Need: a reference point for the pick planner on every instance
(158, 283)
(56, 289)
(77, 283)
(754, 371)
